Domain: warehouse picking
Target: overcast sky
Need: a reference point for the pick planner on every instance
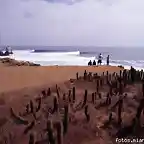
(72, 22)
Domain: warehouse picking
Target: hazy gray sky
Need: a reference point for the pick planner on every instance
(72, 22)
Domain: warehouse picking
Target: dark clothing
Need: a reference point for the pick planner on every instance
(99, 61)
(108, 60)
(94, 62)
(89, 63)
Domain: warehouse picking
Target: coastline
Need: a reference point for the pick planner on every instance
(24, 84)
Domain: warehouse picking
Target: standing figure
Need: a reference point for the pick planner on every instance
(100, 57)
(94, 62)
(90, 63)
(108, 60)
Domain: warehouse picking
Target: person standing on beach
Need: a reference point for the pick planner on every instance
(94, 62)
(100, 57)
(108, 60)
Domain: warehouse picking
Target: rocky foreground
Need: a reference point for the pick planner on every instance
(13, 62)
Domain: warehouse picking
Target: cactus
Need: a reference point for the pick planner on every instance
(29, 127)
(17, 119)
(110, 117)
(73, 94)
(39, 105)
(57, 91)
(93, 98)
(59, 129)
(55, 101)
(50, 132)
(48, 92)
(86, 113)
(108, 100)
(85, 75)
(43, 93)
(65, 119)
(77, 76)
(69, 95)
(85, 97)
(64, 96)
(27, 108)
(31, 139)
(31, 106)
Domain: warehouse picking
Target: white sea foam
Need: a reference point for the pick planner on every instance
(68, 58)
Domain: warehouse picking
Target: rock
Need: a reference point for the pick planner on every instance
(13, 62)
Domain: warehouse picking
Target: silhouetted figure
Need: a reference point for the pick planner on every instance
(1, 53)
(7, 51)
(90, 63)
(94, 62)
(100, 57)
(108, 60)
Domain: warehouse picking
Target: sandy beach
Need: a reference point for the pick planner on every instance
(33, 96)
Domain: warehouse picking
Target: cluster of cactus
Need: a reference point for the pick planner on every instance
(86, 113)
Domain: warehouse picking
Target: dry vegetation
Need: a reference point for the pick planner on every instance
(91, 109)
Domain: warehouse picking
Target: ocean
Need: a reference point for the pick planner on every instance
(78, 55)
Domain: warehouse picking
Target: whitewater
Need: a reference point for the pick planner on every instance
(69, 58)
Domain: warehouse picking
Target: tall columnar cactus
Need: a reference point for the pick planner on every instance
(93, 98)
(110, 117)
(108, 100)
(59, 129)
(29, 127)
(48, 92)
(43, 93)
(119, 111)
(86, 113)
(107, 76)
(73, 94)
(85, 75)
(120, 74)
(39, 104)
(31, 106)
(27, 108)
(65, 119)
(50, 132)
(31, 139)
(69, 95)
(57, 91)
(55, 103)
(85, 97)
(77, 76)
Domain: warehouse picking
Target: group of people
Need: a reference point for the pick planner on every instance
(99, 61)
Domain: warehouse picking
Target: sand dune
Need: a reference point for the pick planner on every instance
(15, 78)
